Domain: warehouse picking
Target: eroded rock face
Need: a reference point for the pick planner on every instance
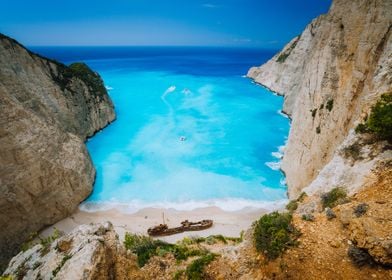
(330, 76)
(47, 111)
(88, 252)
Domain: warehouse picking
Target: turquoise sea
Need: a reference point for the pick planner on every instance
(191, 129)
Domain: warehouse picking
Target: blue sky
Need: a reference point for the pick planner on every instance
(248, 23)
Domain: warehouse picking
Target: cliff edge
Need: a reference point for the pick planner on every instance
(47, 112)
(330, 77)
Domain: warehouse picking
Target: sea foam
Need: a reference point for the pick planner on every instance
(229, 205)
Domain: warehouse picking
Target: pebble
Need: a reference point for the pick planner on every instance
(334, 243)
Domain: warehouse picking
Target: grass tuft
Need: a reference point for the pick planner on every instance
(333, 198)
(195, 271)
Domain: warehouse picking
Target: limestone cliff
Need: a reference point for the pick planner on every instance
(47, 111)
(330, 75)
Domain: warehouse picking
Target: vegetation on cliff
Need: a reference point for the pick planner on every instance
(283, 56)
(379, 122)
(333, 198)
(145, 248)
(293, 204)
(274, 233)
(92, 79)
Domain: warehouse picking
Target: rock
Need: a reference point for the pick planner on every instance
(330, 76)
(329, 213)
(334, 243)
(308, 217)
(93, 254)
(373, 234)
(345, 216)
(359, 256)
(47, 112)
(360, 209)
(312, 206)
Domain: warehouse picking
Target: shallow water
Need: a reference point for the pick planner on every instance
(191, 131)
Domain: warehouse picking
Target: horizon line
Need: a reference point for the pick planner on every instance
(152, 46)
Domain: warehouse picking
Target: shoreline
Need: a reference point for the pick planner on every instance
(226, 223)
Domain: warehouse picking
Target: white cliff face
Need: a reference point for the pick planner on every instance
(351, 166)
(330, 76)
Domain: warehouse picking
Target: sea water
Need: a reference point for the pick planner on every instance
(191, 129)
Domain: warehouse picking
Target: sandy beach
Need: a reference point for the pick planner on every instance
(225, 222)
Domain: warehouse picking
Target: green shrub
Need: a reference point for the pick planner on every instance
(361, 209)
(30, 242)
(273, 233)
(145, 247)
(283, 56)
(318, 130)
(292, 206)
(380, 120)
(92, 79)
(302, 197)
(353, 151)
(63, 261)
(195, 271)
(329, 105)
(314, 111)
(333, 198)
(177, 275)
(212, 239)
(308, 217)
(359, 256)
(47, 241)
(361, 128)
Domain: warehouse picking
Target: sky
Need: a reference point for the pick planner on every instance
(246, 23)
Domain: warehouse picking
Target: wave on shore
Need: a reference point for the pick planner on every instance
(230, 205)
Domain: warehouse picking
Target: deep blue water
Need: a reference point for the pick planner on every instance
(191, 130)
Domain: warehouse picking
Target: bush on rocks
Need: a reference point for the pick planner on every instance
(274, 233)
(359, 256)
(333, 198)
(308, 217)
(330, 213)
(360, 209)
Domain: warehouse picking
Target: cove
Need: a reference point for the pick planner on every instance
(191, 130)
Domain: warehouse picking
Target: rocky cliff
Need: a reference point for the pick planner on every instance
(330, 76)
(47, 112)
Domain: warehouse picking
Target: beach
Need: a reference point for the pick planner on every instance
(225, 222)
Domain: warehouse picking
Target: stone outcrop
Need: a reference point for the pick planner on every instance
(47, 112)
(330, 76)
(88, 252)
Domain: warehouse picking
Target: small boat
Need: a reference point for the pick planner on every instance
(163, 229)
(182, 138)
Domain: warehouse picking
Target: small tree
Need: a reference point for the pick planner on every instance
(274, 233)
